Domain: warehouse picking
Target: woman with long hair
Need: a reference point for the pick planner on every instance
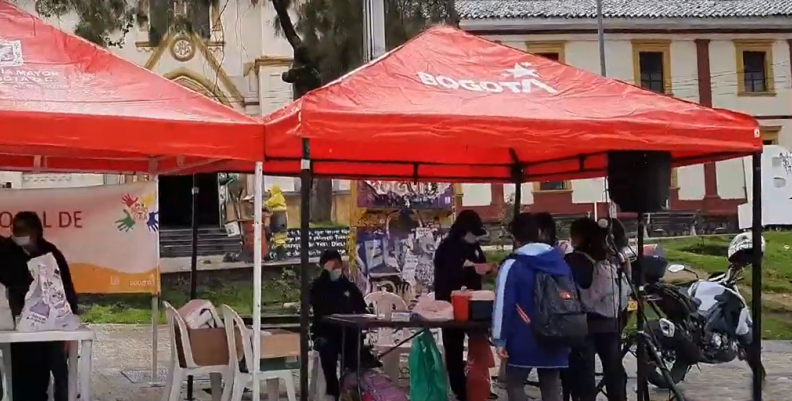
(596, 275)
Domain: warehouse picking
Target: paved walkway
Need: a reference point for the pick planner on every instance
(123, 364)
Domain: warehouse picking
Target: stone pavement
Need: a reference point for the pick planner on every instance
(122, 365)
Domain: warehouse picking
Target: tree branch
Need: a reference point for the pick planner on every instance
(282, 10)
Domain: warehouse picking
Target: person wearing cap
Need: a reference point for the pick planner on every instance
(332, 293)
(459, 262)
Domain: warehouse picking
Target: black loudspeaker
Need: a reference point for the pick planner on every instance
(639, 181)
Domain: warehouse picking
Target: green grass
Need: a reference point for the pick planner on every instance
(708, 254)
(236, 293)
(705, 254)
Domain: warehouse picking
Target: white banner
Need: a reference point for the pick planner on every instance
(109, 234)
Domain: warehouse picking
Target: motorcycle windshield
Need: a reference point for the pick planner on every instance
(706, 292)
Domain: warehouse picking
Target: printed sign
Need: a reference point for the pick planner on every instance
(109, 234)
(319, 239)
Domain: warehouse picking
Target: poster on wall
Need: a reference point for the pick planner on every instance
(109, 234)
(400, 194)
(398, 255)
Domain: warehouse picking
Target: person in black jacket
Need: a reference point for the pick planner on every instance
(32, 363)
(459, 262)
(332, 293)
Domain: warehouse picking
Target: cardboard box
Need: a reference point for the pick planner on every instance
(209, 345)
(276, 343)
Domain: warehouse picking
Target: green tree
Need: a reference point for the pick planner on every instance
(327, 42)
(100, 21)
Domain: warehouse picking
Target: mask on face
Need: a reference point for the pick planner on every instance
(22, 241)
(470, 238)
(334, 274)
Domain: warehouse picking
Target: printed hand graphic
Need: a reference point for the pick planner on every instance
(153, 221)
(129, 200)
(126, 223)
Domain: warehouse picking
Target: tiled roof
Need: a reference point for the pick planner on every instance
(481, 9)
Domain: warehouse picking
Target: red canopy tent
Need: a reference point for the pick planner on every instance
(68, 105)
(450, 106)
(453, 107)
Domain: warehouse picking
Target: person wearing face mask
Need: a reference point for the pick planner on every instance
(332, 293)
(459, 262)
(31, 373)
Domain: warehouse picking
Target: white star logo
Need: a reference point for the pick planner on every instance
(522, 70)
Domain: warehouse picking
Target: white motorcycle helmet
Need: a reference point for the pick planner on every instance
(741, 248)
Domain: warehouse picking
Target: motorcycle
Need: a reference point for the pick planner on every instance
(705, 321)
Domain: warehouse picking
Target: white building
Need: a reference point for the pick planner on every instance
(732, 54)
(726, 54)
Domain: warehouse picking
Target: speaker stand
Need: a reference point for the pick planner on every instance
(643, 386)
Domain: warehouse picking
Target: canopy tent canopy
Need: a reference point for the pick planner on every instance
(68, 105)
(450, 106)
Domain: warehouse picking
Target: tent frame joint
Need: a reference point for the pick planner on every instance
(517, 168)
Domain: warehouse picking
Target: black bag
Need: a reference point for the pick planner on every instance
(558, 317)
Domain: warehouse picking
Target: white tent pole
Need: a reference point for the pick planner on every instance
(154, 325)
(254, 366)
(155, 301)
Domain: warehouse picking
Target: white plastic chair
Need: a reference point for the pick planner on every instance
(385, 303)
(243, 380)
(178, 373)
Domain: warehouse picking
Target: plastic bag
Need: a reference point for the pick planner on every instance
(46, 307)
(6, 317)
(428, 379)
(317, 390)
(429, 309)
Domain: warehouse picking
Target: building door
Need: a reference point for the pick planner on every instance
(175, 197)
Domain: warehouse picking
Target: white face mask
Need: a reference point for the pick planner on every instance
(22, 241)
(470, 238)
(334, 274)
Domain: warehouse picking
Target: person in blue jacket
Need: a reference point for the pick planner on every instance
(514, 304)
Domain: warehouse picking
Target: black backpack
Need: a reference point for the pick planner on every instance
(558, 317)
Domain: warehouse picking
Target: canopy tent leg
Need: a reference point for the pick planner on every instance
(756, 276)
(305, 216)
(517, 203)
(193, 261)
(155, 311)
(257, 217)
(154, 339)
(517, 177)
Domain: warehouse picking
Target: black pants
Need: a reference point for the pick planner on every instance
(582, 360)
(60, 372)
(31, 364)
(454, 345)
(329, 349)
